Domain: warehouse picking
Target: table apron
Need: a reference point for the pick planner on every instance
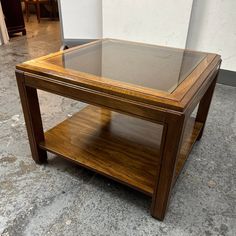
(119, 104)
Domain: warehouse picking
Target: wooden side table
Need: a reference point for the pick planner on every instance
(140, 127)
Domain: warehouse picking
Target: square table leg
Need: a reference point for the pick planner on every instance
(170, 145)
(33, 121)
(204, 105)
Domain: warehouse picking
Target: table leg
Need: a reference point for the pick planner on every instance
(204, 105)
(170, 145)
(31, 110)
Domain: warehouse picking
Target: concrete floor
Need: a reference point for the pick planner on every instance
(63, 199)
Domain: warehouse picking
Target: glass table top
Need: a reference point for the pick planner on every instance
(149, 66)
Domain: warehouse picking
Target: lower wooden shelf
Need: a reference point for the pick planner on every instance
(121, 147)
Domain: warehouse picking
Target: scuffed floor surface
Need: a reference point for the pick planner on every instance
(63, 199)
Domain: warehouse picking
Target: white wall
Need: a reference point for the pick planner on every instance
(81, 19)
(152, 21)
(213, 29)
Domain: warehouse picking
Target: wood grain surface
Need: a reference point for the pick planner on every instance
(115, 145)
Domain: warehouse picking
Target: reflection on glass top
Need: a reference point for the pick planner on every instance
(150, 66)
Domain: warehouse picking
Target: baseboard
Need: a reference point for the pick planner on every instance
(227, 77)
(67, 43)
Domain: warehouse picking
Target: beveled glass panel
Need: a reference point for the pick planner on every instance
(150, 66)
